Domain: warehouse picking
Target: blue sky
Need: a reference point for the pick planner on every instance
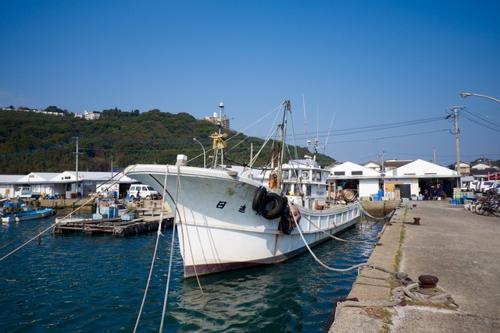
(366, 62)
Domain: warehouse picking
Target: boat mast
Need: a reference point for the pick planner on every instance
(221, 111)
(287, 107)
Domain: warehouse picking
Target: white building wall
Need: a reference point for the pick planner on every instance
(368, 187)
(415, 189)
(47, 189)
(6, 190)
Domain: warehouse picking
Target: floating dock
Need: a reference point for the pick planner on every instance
(116, 227)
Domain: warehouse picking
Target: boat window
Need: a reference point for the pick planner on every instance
(286, 189)
(285, 174)
(317, 176)
(305, 174)
(308, 190)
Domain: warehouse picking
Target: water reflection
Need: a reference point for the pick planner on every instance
(87, 283)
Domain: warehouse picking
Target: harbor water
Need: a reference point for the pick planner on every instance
(81, 283)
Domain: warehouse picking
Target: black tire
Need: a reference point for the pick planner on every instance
(272, 206)
(258, 199)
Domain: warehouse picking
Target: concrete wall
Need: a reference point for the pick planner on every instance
(368, 187)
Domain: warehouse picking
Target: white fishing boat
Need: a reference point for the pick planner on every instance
(230, 218)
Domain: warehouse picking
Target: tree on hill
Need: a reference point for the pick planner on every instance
(38, 142)
(53, 108)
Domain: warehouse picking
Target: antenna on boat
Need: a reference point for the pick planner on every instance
(305, 115)
(329, 131)
(218, 143)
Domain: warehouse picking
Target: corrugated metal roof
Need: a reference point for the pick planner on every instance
(53, 177)
(9, 179)
(396, 163)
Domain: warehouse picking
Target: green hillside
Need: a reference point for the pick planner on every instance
(38, 142)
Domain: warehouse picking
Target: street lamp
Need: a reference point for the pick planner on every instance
(467, 94)
(204, 153)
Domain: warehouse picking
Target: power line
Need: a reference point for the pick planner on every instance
(379, 127)
(481, 124)
(485, 119)
(391, 136)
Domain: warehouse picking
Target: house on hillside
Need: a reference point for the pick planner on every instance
(215, 119)
(91, 115)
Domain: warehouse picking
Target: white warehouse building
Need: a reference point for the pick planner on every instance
(365, 181)
(64, 184)
(419, 177)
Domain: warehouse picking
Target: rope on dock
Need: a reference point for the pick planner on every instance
(158, 234)
(68, 215)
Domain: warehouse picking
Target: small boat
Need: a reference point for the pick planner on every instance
(27, 214)
(230, 218)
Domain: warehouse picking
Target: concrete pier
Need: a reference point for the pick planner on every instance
(460, 248)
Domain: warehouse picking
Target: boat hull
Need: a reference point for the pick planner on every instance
(29, 215)
(217, 228)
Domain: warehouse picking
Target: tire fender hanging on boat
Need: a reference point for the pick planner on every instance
(273, 206)
(258, 199)
(285, 224)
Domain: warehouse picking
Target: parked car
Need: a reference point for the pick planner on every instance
(137, 191)
(485, 186)
(496, 187)
(24, 192)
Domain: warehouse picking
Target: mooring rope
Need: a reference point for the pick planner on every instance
(334, 269)
(158, 234)
(66, 216)
(172, 242)
(367, 241)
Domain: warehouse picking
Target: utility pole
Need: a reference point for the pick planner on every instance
(454, 114)
(382, 162)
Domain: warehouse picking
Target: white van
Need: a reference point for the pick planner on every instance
(24, 192)
(142, 191)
